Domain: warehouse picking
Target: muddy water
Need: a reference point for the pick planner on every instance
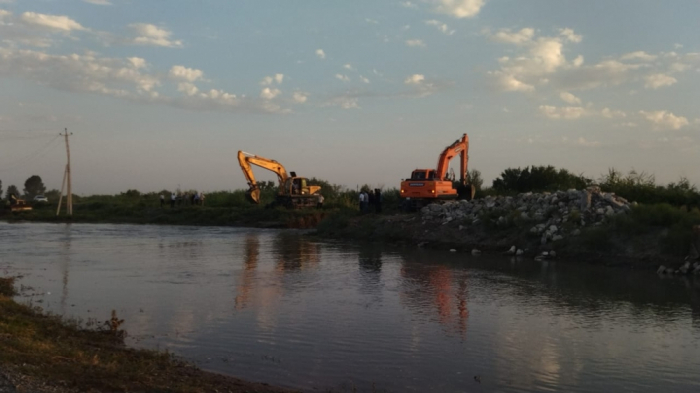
(276, 307)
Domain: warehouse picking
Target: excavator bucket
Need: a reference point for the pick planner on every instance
(253, 195)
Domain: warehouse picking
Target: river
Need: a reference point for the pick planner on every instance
(279, 307)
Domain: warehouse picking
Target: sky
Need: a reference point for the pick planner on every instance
(160, 95)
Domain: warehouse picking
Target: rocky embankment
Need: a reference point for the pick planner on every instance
(553, 216)
(549, 219)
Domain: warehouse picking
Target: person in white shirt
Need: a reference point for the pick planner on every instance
(362, 201)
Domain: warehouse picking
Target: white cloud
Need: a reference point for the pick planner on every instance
(299, 97)
(320, 53)
(53, 22)
(414, 79)
(344, 102)
(408, 4)
(610, 114)
(458, 8)
(268, 93)
(415, 42)
(137, 62)
(342, 77)
(569, 98)
(507, 82)
(665, 119)
(581, 141)
(564, 112)
(639, 55)
(655, 81)
(4, 13)
(363, 79)
(569, 35)
(268, 80)
(187, 74)
(371, 21)
(148, 34)
(187, 88)
(349, 67)
(98, 2)
(519, 37)
(442, 27)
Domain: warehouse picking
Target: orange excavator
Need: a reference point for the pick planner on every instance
(432, 185)
(294, 192)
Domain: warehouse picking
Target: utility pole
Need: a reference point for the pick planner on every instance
(66, 179)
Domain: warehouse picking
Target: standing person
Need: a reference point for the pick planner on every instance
(172, 200)
(371, 200)
(201, 198)
(196, 198)
(319, 203)
(362, 201)
(378, 200)
(162, 200)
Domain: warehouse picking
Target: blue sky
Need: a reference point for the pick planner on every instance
(163, 94)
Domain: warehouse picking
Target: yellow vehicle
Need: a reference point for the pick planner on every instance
(294, 192)
(18, 205)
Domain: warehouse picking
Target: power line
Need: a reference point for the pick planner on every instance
(41, 152)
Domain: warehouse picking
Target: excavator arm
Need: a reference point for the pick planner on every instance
(246, 160)
(459, 147)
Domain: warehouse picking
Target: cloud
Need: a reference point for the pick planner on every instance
(519, 37)
(416, 42)
(569, 98)
(98, 2)
(655, 81)
(442, 27)
(372, 21)
(299, 97)
(52, 22)
(408, 4)
(344, 102)
(268, 80)
(187, 74)
(508, 82)
(124, 78)
(342, 77)
(363, 79)
(610, 114)
(564, 112)
(320, 53)
(664, 120)
(570, 36)
(581, 141)
(268, 93)
(458, 8)
(152, 35)
(414, 79)
(638, 55)
(349, 67)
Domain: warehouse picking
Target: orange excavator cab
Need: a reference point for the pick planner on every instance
(431, 185)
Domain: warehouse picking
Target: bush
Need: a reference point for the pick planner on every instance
(538, 179)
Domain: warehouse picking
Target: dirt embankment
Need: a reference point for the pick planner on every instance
(45, 354)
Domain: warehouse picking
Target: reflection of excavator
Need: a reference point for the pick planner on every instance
(18, 205)
(430, 185)
(294, 192)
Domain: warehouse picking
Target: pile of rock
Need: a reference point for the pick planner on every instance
(553, 216)
(688, 267)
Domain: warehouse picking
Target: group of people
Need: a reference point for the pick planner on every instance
(370, 200)
(188, 198)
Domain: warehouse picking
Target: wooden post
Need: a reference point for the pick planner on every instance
(63, 184)
(67, 179)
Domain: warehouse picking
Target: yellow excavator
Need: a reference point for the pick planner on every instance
(18, 205)
(294, 192)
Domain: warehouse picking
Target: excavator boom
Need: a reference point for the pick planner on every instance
(429, 185)
(246, 159)
(293, 191)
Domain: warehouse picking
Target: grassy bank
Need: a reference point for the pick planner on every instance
(647, 236)
(47, 353)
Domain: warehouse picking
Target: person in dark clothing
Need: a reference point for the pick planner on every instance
(371, 200)
(378, 200)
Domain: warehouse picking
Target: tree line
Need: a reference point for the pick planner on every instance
(33, 186)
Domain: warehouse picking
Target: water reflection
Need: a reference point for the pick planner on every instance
(247, 277)
(429, 286)
(294, 252)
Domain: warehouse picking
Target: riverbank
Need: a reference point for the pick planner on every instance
(585, 225)
(41, 353)
(248, 216)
